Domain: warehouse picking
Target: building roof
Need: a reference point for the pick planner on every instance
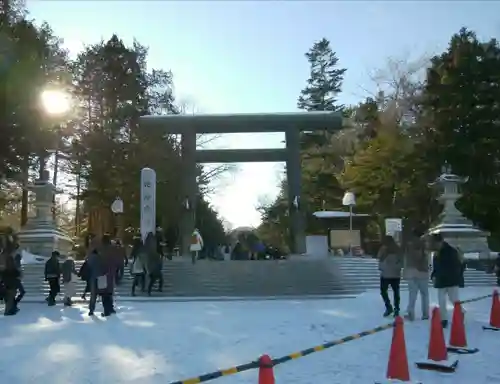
(336, 214)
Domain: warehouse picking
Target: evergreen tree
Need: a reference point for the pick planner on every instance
(321, 156)
(462, 102)
(30, 60)
(325, 81)
(110, 148)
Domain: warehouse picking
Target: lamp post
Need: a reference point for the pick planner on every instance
(349, 200)
(56, 103)
(117, 209)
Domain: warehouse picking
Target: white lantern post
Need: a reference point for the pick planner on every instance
(117, 209)
(349, 200)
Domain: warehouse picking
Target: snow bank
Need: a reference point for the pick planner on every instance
(29, 258)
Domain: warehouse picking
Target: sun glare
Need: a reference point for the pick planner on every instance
(55, 102)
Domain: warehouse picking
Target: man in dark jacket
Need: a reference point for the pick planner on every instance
(121, 259)
(446, 273)
(52, 275)
(9, 275)
(154, 263)
(18, 262)
(84, 274)
(497, 269)
(107, 276)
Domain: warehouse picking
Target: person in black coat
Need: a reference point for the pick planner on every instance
(52, 275)
(10, 276)
(497, 269)
(446, 273)
(84, 274)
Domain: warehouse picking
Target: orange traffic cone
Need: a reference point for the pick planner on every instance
(397, 368)
(495, 313)
(437, 344)
(437, 354)
(266, 373)
(458, 340)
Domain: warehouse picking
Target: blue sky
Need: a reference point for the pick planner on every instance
(248, 56)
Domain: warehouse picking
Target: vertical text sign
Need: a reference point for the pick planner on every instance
(148, 202)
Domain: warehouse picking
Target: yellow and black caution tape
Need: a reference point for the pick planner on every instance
(216, 374)
(330, 344)
(281, 360)
(475, 299)
(296, 355)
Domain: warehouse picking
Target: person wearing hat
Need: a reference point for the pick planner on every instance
(52, 275)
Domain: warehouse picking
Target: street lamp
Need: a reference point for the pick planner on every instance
(56, 103)
(117, 209)
(349, 200)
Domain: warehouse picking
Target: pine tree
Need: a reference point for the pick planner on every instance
(320, 159)
(325, 82)
(320, 184)
(462, 101)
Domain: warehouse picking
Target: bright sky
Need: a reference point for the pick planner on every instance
(248, 56)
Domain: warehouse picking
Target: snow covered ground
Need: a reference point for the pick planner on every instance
(167, 341)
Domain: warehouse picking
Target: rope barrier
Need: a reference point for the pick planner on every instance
(475, 299)
(296, 355)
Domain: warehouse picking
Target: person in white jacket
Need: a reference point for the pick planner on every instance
(196, 245)
(137, 269)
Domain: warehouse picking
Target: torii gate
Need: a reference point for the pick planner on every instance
(188, 126)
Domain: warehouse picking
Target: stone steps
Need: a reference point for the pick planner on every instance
(366, 270)
(336, 276)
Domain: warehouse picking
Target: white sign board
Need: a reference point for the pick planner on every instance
(148, 202)
(393, 226)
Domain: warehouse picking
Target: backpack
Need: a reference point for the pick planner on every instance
(194, 239)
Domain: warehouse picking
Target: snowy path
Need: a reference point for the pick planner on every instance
(163, 342)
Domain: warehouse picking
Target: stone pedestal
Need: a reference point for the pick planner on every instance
(40, 235)
(457, 230)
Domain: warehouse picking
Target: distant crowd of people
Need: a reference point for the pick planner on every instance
(102, 269)
(446, 270)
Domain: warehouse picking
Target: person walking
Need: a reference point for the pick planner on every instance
(416, 272)
(9, 275)
(69, 276)
(196, 245)
(122, 260)
(446, 274)
(84, 274)
(52, 275)
(154, 264)
(390, 265)
(18, 257)
(95, 270)
(107, 278)
(137, 265)
(496, 269)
